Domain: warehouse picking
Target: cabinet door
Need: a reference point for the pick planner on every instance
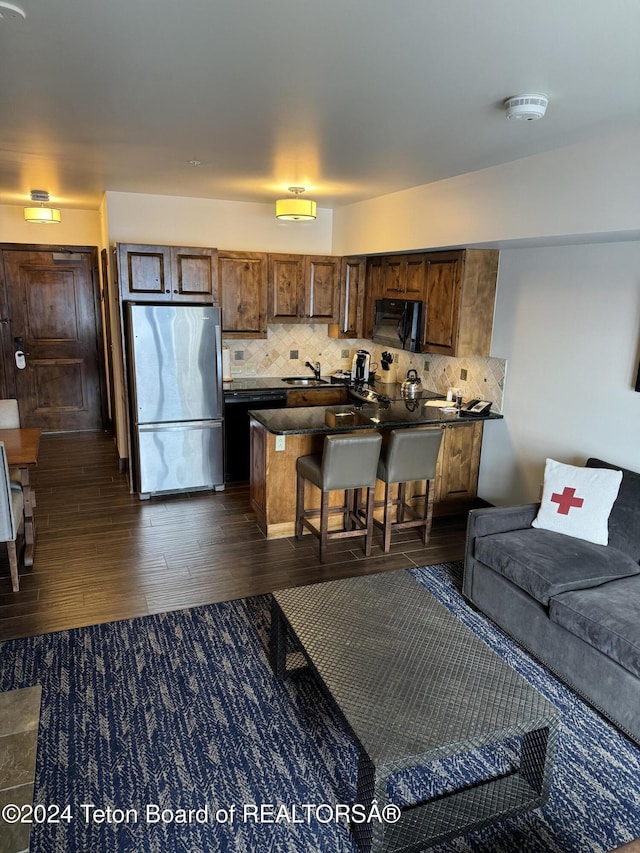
(393, 270)
(331, 396)
(415, 277)
(351, 311)
(145, 272)
(322, 276)
(404, 275)
(443, 299)
(373, 291)
(286, 290)
(458, 466)
(194, 274)
(242, 279)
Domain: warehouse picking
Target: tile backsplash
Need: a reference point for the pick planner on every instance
(287, 347)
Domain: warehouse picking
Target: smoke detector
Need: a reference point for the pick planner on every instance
(526, 107)
(10, 10)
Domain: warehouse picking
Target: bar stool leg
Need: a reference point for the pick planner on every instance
(428, 511)
(386, 526)
(402, 499)
(324, 524)
(299, 505)
(368, 537)
(347, 518)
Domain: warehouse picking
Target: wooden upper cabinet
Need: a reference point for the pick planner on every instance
(195, 274)
(443, 300)
(460, 299)
(404, 276)
(144, 272)
(322, 282)
(373, 291)
(351, 296)
(303, 289)
(242, 280)
(286, 288)
(415, 277)
(166, 273)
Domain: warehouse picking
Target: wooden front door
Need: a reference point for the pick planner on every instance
(52, 314)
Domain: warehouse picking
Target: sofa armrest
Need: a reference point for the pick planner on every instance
(488, 520)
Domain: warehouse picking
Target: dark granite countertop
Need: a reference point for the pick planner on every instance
(332, 419)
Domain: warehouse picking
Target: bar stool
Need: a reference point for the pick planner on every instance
(347, 462)
(411, 454)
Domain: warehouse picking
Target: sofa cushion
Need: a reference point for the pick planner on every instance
(608, 618)
(577, 501)
(544, 563)
(624, 521)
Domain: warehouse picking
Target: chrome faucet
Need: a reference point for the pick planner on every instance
(316, 369)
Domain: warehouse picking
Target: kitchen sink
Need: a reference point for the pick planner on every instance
(303, 380)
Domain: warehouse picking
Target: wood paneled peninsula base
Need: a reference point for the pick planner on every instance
(280, 436)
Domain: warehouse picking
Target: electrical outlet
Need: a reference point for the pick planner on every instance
(293, 353)
(280, 442)
(238, 354)
(345, 353)
(463, 373)
(426, 365)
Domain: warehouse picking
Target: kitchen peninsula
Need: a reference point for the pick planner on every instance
(280, 436)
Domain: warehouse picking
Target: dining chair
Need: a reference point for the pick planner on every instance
(10, 419)
(9, 414)
(11, 517)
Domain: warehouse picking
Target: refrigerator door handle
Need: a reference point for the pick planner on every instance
(218, 342)
(179, 425)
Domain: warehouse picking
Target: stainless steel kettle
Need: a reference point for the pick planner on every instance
(411, 385)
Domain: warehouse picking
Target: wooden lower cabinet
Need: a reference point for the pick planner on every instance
(273, 478)
(273, 475)
(458, 467)
(332, 395)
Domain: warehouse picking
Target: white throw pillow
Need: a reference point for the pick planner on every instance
(577, 501)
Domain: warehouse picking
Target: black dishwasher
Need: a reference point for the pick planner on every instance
(237, 404)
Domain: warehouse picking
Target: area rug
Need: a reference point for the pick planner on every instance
(169, 733)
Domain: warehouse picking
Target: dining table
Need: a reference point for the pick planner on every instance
(21, 447)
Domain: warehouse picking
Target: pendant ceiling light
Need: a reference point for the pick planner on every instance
(42, 215)
(295, 207)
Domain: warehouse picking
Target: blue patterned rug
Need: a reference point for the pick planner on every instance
(180, 712)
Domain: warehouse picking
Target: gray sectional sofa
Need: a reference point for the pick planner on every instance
(573, 604)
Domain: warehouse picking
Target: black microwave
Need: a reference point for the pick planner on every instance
(398, 323)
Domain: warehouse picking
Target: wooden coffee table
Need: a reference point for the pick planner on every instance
(415, 686)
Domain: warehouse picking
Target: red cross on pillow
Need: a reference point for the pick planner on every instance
(578, 501)
(567, 500)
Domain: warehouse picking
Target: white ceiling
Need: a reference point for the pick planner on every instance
(350, 98)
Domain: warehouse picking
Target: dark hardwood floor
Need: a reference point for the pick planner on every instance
(104, 555)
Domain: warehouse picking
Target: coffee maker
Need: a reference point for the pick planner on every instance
(360, 366)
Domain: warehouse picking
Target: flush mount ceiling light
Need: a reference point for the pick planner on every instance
(42, 215)
(296, 207)
(526, 107)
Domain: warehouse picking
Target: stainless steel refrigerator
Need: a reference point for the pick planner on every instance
(174, 363)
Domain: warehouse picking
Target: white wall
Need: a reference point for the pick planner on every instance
(568, 322)
(177, 221)
(586, 189)
(78, 228)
